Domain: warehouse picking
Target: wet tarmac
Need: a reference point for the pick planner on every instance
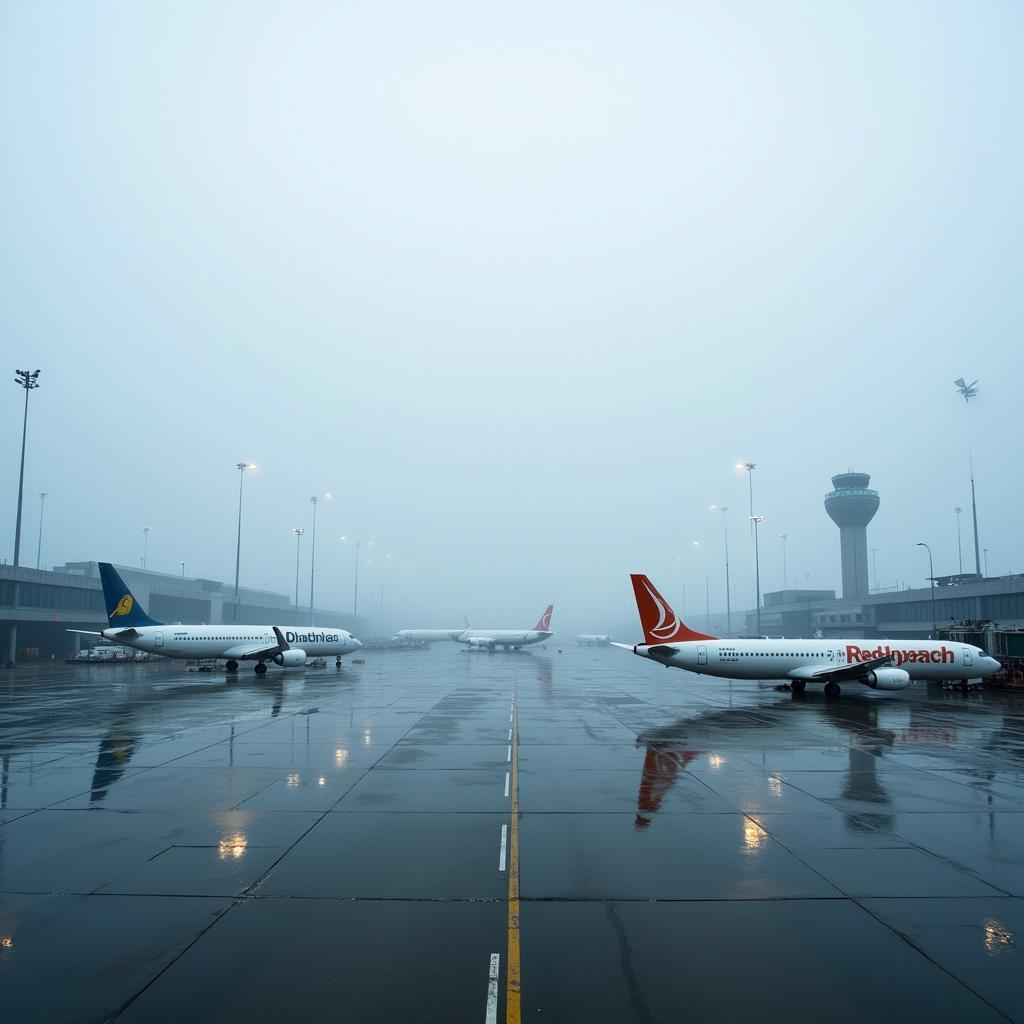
(325, 845)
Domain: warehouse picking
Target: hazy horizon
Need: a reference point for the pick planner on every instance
(519, 288)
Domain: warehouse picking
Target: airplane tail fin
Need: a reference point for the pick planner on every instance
(544, 622)
(660, 624)
(122, 608)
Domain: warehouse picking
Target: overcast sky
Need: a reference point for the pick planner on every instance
(518, 285)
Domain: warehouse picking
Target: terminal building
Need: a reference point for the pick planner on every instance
(44, 605)
(895, 615)
(891, 614)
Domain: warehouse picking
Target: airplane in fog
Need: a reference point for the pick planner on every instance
(889, 666)
(593, 639)
(425, 636)
(489, 639)
(428, 636)
(290, 648)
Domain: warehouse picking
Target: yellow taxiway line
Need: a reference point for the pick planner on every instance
(513, 1012)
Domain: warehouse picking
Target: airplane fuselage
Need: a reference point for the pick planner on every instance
(780, 659)
(426, 636)
(492, 638)
(180, 641)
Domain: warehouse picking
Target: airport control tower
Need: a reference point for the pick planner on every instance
(851, 507)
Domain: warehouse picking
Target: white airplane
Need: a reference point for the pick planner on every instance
(289, 648)
(882, 666)
(489, 639)
(424, 636)
(593, 639)
(428, 636)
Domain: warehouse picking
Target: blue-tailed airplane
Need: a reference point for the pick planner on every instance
(289, 648)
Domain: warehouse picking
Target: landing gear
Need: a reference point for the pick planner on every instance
(232, 665)
(832, 689)
(337, 662)
(260, 669)
(798, 686)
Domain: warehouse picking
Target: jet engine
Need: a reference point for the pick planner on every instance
(294, 658)
(887, 679)
(481, 642)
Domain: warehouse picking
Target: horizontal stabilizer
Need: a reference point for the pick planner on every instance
(662, 650)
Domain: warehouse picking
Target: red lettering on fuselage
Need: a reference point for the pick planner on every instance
(942, 656)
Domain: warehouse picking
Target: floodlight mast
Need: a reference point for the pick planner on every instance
(967, 392)
(29, 380)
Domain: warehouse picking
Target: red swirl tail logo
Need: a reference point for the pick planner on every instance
(544, 624)
(660, 623)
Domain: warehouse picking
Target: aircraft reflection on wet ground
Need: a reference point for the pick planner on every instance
(668, 831)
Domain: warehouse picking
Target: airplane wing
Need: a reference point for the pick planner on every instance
(248, 651)
(826, 673)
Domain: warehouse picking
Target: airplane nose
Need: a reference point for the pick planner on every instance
(358, 643)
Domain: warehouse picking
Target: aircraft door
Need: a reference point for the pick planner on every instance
(158, 639)
(702, 654)
(968, 661)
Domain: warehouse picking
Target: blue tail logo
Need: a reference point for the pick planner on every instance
(122, 608)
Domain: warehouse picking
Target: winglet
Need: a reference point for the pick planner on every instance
(660, 624)
(544, 622)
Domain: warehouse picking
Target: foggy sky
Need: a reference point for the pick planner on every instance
(518, 285)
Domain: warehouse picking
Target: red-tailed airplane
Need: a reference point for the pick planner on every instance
(888, 665)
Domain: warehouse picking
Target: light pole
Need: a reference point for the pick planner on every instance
(756, 520)
(42, 508)
(959, 546)
(241, 467)
(986, 563)
(931, 571)
(967, 392)
(29, 380)
(315, 499)
(355, 589)
(750, 467)
(298, 545)
(145, 546)
(182, 570)
(728, 596)
(785, 583)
